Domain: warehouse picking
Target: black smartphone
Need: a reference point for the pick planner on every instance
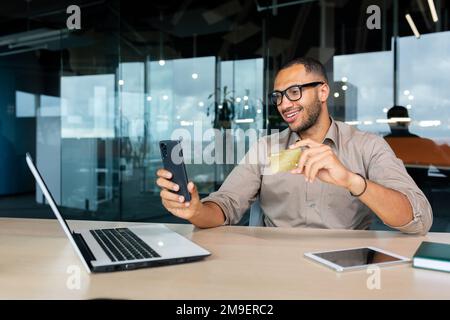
(172, 157)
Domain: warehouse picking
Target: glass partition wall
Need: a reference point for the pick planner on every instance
(92, 103)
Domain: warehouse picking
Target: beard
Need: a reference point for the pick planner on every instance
(311, 115)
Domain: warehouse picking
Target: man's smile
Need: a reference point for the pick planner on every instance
(291, 115)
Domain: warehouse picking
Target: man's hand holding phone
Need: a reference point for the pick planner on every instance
(175, 203)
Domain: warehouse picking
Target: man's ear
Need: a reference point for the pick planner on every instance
(324, 92)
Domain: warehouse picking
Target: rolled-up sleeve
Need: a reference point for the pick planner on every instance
(240, 189)
(389, 171)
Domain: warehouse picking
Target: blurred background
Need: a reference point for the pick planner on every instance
(91, 104)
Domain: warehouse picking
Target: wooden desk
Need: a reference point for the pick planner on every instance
(246, 263)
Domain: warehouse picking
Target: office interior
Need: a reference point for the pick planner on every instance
(91, 104)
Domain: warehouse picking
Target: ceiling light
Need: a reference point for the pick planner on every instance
(433, 10)
(186, 123)
(430, 123)
(244, 120)
(412, 26)
(400, 119)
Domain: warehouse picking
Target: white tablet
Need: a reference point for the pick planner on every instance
(356, 258)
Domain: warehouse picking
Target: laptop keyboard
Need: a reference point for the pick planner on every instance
(122, 244)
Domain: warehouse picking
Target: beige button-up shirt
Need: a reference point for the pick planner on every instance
(287, 200)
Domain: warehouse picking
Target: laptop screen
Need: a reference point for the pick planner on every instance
(52, 203)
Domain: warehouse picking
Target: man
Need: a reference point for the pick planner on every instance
(417, 153)
(343, 176)
(399, 127)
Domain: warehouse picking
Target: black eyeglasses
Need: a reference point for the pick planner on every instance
(293, 93)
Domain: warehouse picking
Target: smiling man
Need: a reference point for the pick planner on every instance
(342, 178)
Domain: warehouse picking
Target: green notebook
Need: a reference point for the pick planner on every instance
(433, 256)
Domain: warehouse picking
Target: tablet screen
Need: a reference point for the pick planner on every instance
(356, 257)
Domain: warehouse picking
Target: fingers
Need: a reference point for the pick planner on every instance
(307, 154)
(170, 196)
(170, 205)
(163, 173)
(183, 210)
(175, 203)
(193, 191)
(172, 201)
(163, 182)
(166, 184)
(316, 163)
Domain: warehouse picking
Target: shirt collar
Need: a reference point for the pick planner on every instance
(332, 135)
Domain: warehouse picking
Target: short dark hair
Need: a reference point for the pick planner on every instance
(311, 65)
(397, 112)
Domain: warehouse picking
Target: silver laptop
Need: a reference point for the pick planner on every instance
(114, 249)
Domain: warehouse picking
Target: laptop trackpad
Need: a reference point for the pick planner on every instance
(166, 242)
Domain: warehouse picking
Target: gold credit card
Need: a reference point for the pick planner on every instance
(285, 161)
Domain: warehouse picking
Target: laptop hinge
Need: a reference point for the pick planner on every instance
(84, 249)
